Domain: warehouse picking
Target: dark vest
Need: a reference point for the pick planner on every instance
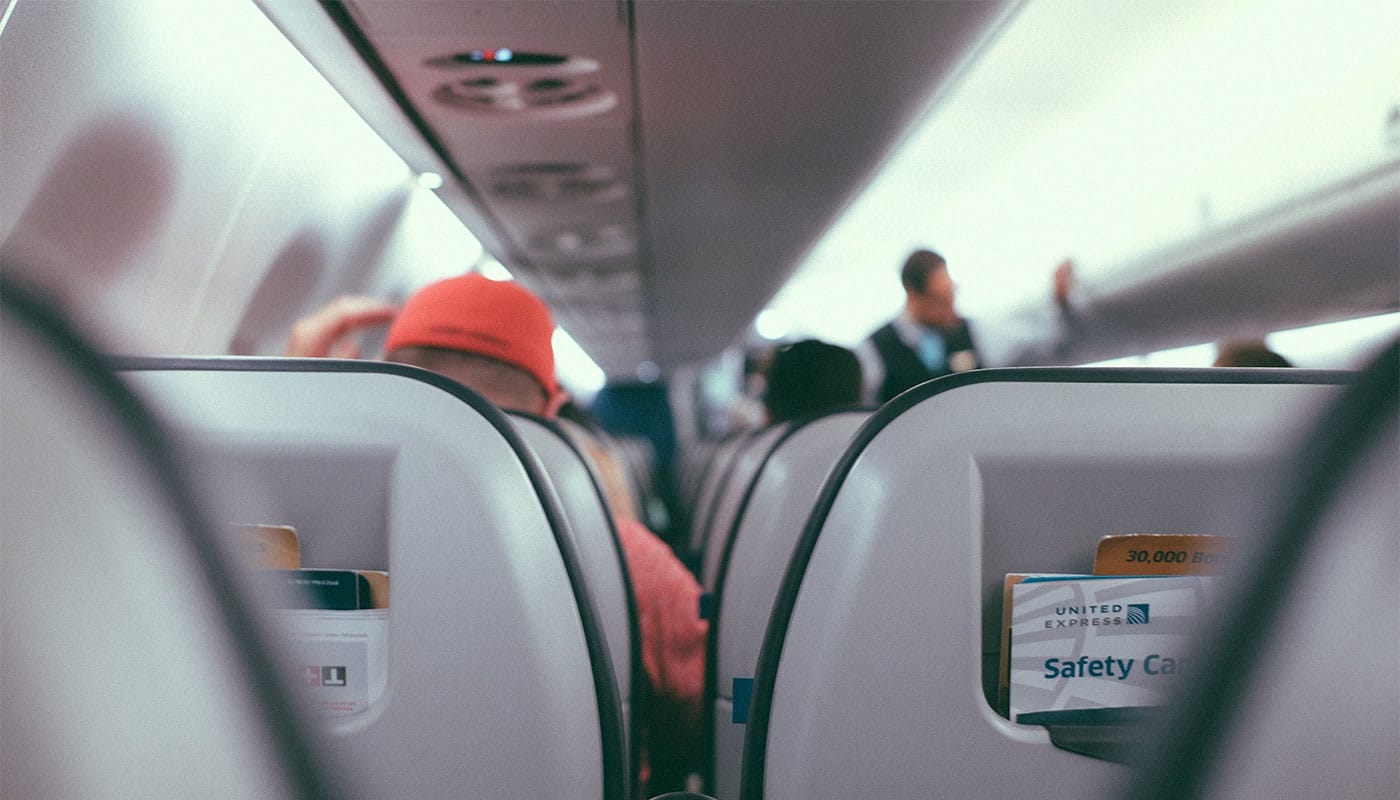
(902, 365)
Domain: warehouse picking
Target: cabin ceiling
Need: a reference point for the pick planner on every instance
(663, 170)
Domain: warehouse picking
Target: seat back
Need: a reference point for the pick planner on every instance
(716, 471)
(600, 553)
(638, 455)
(610, 472)
(750, 569)
(730, 497)
(498, 672)
(877, 675)
(130, 668)
(1300, 690)
(695, 460)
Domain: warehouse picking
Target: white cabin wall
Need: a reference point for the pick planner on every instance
(182, 177)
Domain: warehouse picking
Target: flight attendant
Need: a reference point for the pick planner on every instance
(929, 339)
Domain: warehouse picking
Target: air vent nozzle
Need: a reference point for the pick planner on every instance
(505, 82)
(559, 182)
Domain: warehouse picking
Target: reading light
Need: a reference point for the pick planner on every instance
(430, 180)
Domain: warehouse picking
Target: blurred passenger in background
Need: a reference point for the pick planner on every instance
(617, 485)
(1248, 353)
(929, 339)
(810, 377)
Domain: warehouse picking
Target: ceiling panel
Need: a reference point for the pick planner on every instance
(662, 172)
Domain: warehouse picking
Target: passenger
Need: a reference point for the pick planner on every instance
(809, 377)
(496, 337)
(617, 484)
(1248, 353)
(929, 339)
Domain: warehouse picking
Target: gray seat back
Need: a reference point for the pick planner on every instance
(695, 460)
(751, 567)
(715, 473)
(730, 497)
(877, 676)
(498, 673)
(600, 552)
(130, 668)
(1300, 689)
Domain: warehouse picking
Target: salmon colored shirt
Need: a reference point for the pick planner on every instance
(668, 612)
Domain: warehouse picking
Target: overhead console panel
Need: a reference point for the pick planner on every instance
(620, 152)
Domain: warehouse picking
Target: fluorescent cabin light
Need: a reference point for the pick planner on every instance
(1348, 344)
(578, 373)
(494, 270)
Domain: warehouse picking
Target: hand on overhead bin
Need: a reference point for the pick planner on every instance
(329, 333)
(1063, 282)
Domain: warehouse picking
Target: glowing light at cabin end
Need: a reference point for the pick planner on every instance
(1348, 344)
(648, 372)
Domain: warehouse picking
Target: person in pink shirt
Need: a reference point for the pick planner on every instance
(496, 337)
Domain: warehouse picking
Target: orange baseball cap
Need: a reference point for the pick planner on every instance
(472, 313)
